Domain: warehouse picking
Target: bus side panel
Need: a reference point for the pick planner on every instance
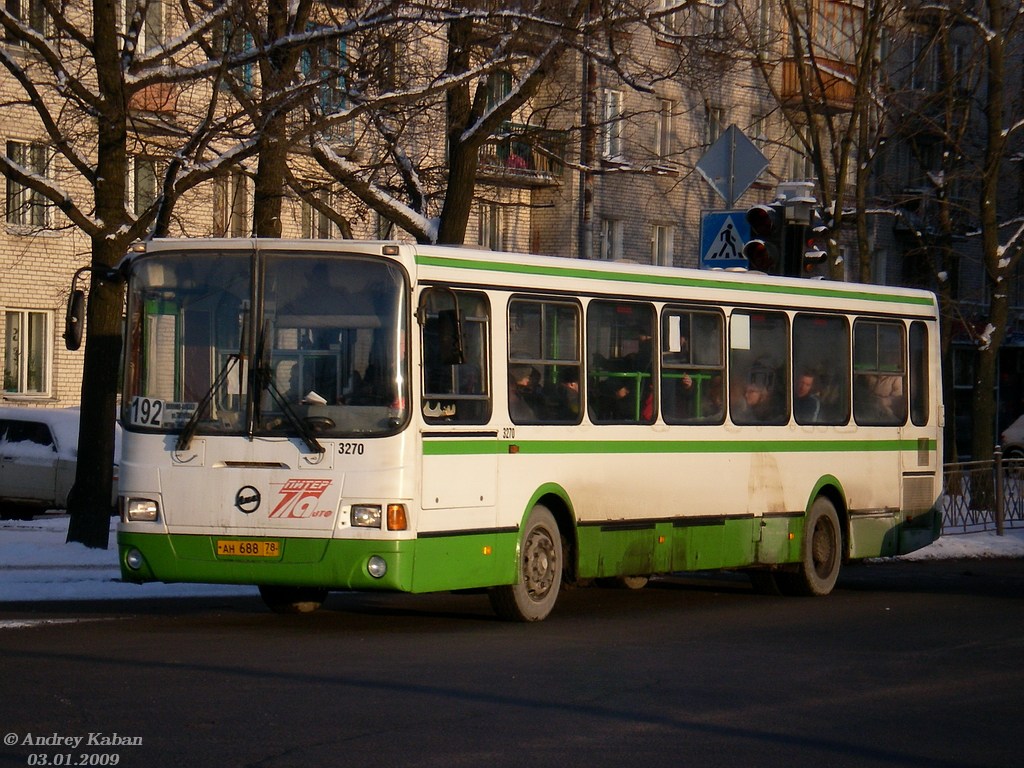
(609, 550)
(460, 562)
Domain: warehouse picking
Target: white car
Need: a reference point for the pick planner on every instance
(38, 457)
(1012, 440)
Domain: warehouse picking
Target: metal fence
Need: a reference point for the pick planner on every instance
(983, 496)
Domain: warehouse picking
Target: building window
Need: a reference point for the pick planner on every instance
(231, 210)
(611, 123)
(325, 64)
(765, 35)
(662, 245)
(232, 42)
(31, 13)
(924, 74)
(663, 146)
(151, 34)
(26, 352)
(670, 16)
(317, 224)
(714, 17)
(715, 123)
(142, 184)
(489, 229)
(27, 207)
(610, 247)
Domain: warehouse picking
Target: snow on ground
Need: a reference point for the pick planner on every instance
(36, 564)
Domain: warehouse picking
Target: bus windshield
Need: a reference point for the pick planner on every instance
(313, 346)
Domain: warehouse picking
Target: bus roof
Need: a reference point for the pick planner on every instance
(484, 268)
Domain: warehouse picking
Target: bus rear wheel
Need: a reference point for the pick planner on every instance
(821, 554)
(292, 599)
(533, 595)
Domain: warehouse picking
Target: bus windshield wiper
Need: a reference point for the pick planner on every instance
(189, 430)
(264, 380)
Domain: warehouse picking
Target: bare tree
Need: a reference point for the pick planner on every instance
(97, 89)
(490, 78)
(818, 62)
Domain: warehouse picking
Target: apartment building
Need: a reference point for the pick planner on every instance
(595, 165)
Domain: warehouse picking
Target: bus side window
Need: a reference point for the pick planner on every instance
(758, 367)
(456, 357)
(620, 363)
(821, 369)
(919, 373)
(880, 376)
(692, 367)
(544, 361)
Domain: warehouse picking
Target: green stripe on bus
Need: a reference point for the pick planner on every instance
(477, 447)
(815, 288)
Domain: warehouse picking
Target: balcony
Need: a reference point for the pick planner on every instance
(158, 98)
(831, 84)
(522, 156)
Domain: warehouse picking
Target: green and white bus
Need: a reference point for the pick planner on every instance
(309, 416)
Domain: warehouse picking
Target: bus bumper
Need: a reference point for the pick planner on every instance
(328, 563)
(919, 530)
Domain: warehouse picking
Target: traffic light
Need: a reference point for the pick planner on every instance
(765, 249)
(814, 260)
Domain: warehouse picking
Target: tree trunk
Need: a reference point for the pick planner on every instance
(89, 504)
(89, 501)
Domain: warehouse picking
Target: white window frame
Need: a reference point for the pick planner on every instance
(317, 225)
(610, 245)
(232, 205)
(663, 245)
(490, 232)
(612, 105)
(26, 207)
(33, 14)
(664, 135)
(715, 123)
(151, 35)
(17, 345)
(671, 23)
(140, 199)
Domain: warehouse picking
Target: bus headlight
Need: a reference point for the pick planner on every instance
(134, 559)
(377, 566)
(366, 515)
(141, 510)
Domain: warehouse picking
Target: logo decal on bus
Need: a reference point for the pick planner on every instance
(247, 500)
(300, 499)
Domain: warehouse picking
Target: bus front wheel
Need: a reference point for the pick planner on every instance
(292, 599)
(534, 594)
(821, 553)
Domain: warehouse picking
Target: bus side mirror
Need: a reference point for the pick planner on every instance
(449, 337)
(74, 320)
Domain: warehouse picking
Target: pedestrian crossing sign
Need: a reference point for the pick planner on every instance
(722, 237)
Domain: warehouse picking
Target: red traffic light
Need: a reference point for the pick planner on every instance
(759, 256)
(764, 220)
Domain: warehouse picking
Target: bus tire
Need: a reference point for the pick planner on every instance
(539, 575)
(281, 599)
(821, 554)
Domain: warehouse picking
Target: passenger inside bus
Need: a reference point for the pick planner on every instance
(521, 393)
(806, 398)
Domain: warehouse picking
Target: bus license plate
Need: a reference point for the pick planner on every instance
(248, 548)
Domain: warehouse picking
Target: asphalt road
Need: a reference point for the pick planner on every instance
(911, 664)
